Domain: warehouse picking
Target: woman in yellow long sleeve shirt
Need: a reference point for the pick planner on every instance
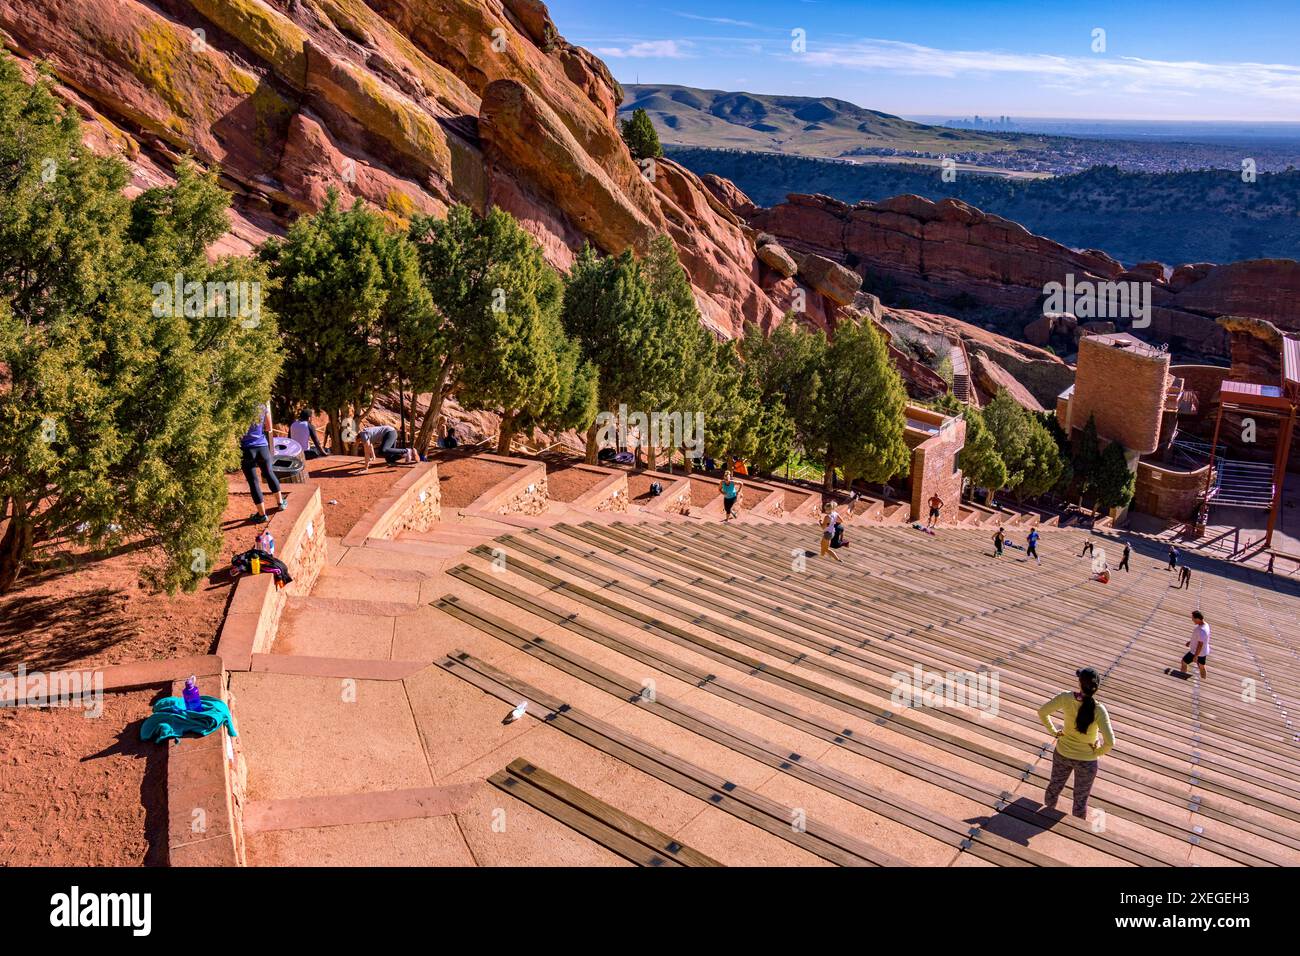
(1077, 750)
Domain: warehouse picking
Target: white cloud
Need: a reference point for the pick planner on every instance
(1095, 73)
(726, 21)
(646, 49)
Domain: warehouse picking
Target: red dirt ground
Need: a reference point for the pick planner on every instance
(704, 490)
(82, 791)
(638, 486)
(342, 479)
(564, 482)
(463, 479)
(96, 611)
(86, 792)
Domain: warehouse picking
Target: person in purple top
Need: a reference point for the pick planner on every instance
(255, 456)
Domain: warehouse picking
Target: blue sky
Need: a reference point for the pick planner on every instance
(1192, 59)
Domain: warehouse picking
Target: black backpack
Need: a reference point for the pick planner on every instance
(656, 489)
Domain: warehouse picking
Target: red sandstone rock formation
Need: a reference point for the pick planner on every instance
(945, 249)
(408, 105)
(412, 105)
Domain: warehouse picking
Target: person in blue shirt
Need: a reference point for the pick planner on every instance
(730, 489)
(255, 456)
(1032, 550)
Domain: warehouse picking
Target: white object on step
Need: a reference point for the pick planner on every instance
(518, 712)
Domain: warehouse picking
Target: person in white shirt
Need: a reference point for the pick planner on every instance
(830, 525)
(304, 433)
(1199, 645)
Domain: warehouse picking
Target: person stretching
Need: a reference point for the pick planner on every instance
(730, 489)
(1087, 548)
(381, 441)
(936, 505)
(255, 456)
(1077, 750)
(1199, 644)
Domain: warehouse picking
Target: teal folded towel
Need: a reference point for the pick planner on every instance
(170, 720)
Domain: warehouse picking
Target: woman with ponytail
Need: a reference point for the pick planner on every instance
(1077, 749)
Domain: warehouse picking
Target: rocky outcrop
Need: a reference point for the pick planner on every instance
(837, 283)
(1040, 331)
(716, 249)
(990, 378)
(521, 133)
(410, 105)
(945, 251)
(729, 194)
(1267, 289)
(1256, 350)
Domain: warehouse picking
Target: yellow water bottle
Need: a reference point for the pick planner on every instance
(255, 565)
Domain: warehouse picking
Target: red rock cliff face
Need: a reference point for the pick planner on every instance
(410, 105)
(413, 105)
(948, 248)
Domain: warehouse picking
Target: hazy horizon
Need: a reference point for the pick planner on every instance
(1091, 61)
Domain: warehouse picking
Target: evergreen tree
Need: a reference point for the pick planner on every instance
(859, 417)
(119, 404)
(1064, 450)
(640, 136)
(1087, 457)
(485, 275)
(524, 363)
(1113, 481)
(980, 462)
(783, 371)
(346, 289)
(1025, 446)
(630, 331)
(1007, 423)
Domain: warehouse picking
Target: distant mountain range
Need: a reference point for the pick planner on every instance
(1202, 216)
(794, 125)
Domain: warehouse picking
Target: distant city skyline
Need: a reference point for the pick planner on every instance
(1191, 60)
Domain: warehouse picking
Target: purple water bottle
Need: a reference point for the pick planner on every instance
(191, 694)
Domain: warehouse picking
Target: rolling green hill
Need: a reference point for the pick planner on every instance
(795, 125)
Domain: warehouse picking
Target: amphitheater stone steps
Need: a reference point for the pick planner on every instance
(711, 679)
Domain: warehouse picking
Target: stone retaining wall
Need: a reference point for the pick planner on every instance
(610, 494)
(414, 503)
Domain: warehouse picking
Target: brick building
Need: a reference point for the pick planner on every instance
(1130, 391)
(936, 441)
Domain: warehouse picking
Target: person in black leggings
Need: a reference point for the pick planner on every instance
(255, 456)
(381, 441)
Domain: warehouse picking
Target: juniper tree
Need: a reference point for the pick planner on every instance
(782, 369)
(640, 136)
(1113, 481)
(119, 406)
(1029, 452)
(859, 416)
(980, 462)
(523, 363)
(348, 294)
(480, 273)
(630, 334)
